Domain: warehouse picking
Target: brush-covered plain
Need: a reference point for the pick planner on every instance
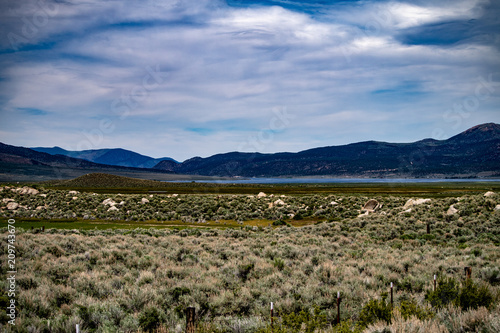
(133, 279)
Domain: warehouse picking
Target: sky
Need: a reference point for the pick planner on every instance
(185, 78)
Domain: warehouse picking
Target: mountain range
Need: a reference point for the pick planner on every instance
(473, 153)
(117, 156)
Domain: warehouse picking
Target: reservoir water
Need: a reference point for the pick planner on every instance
(303, 180)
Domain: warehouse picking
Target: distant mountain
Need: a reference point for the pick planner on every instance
(118, 156)
(24, 164)
(473, 153)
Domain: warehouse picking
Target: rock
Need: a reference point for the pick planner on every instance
(261, 195)
(12, 205)
(144, 201)
(411, 202)
(291, 215)
(6, 200)
(497, 207)
(73, 192)
(40, 207)
(26, 190)
(279, 202)
(43, 195)
(452, 211)
(333, 203)
(109, 202)
(74, 198)
(364, 214)
(372, 205)
(122, 203)
(489, 194)
(151, 196)
(112, 209)
(271, 205)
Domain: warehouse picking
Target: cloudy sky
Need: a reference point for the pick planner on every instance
(184, 78)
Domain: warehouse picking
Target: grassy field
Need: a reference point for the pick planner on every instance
(137, 266)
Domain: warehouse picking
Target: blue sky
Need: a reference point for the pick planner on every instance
(191, 78)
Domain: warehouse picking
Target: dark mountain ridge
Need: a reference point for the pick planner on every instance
(472, 153)
(110, 156)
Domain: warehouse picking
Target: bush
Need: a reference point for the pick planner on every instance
(469, 296)
(446, 292)
(375, 310)
(149, 320)
(473, 296)
(279, 264)
(409, 308)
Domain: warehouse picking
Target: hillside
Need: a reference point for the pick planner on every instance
(473, 153)
(117, 156)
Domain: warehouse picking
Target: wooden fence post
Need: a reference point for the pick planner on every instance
(77, 328)
(338, 307)
(43, 228)
(392, 300)
(434, 282)
(272, 320)
(190, 320)
(468, 272)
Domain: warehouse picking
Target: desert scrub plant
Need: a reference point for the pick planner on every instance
(375, 310)
(470, 295)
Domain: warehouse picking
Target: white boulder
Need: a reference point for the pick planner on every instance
(452, 211)
(144, 201)
(279, 202)
(489, 194)
(109, 202)
(112, 209)
(12, 205)
(261, 195)
(411, 202)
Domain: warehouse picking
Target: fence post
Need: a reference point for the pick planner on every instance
(43, 228)
(338, 307)
(468, 272)
(428, 227)
(434, 282)
(392, 300)
(190, 319)
(272, 320)
(77, 328)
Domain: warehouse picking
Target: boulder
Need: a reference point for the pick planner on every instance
(279, 202)
(109, 202)
(489, 194)
(452, 211)
(261, 195)
(372, 205)
(26, 190)
(12, 205)
(6, 200)
(411, 202)
(144, 201)
(333, 203)
(73, 192)
(112, 209)
(497, 207)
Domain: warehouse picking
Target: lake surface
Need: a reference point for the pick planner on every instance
(337, 180)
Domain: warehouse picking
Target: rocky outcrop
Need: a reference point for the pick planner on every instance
(412, 202)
